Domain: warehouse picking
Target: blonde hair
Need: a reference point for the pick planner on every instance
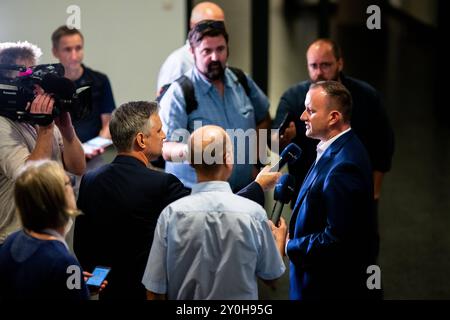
(40, 197)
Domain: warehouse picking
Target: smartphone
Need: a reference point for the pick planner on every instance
(98, 276)
(288, 118)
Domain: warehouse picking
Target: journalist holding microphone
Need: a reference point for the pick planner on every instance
(22, 141)
(212, 244)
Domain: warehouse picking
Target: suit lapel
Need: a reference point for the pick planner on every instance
(314, 172)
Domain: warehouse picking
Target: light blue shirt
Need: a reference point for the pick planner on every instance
(176, 64)
(212, 244)
(235, 110)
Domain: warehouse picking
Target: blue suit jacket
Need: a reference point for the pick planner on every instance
(121, 202)
(333, 226)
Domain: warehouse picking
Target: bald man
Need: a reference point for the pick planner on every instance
(181, 60)
(213, 244)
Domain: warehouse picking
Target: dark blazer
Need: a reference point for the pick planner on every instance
(369, 121)
(332, 229)
(121, 203)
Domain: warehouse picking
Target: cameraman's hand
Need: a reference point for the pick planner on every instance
(42, 104)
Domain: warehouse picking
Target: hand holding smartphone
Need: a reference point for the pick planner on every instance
(98, 276)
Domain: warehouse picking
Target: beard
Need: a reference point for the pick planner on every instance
(215, 71)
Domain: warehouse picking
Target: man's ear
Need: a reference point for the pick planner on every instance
(139, 140)
(55, 53)
(340, 63)
(335, 117)
(228, 159)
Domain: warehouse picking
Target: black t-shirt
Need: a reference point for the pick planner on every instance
(88, 126)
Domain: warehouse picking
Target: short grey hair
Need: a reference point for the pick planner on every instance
(128, 120)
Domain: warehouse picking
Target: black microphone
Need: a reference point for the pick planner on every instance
(283, 193)
(290, 155)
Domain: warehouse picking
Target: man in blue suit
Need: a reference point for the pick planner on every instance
(332, 233)
(122, 201)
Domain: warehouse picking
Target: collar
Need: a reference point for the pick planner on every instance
(201, 81)
(217, 186)
(128, 159)
(324, 145)
(50, 232)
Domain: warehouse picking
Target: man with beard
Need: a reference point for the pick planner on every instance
(221, 100)
(180, 61)
(369, 119)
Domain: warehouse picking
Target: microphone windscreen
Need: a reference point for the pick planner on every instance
(284, 189)
(60, 86)
(290, 154)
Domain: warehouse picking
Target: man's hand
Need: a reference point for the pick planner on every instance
(288, 134)
(104, 132)
(94, 152)
(174, 151)
(279, 233)
(42, 104)
(64, 124)
(266, 179)
(94, 290)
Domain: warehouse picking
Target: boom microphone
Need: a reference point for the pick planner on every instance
(290, 155)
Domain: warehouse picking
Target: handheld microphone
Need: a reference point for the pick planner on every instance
(290, 155)
(283, 193)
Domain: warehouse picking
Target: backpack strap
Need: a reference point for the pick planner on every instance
(242, 78)
(162, 92)
(187, 87)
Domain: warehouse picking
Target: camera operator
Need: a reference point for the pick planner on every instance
(21, 141)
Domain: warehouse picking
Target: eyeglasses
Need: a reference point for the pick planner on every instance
(323, 65)
(209, 24)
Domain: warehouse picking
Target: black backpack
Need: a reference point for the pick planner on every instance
(188, 89)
